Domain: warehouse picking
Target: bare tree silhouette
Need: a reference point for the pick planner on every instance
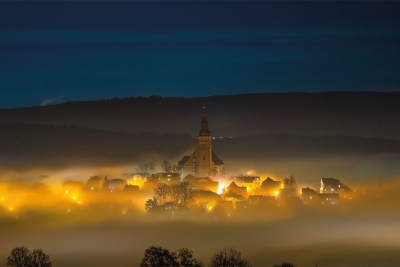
(159, 257)
(19, 257)
(228, 258)
(186, 258)
(40, 259)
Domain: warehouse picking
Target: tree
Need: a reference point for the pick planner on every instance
(186, 258)
(146, 167)
(289, 182)
(168, 168)
(19, 257)
(159, 257)
(284, 264)
(40, 259)
(228, 258)
(174, 192)
(161, 192)
(186, 193)
(151, 203)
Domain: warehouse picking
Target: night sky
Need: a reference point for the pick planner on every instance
(51, 52)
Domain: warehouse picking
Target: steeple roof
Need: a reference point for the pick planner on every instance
(204, 125)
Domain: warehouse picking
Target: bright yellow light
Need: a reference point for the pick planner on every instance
(209, 208)
(91, 188)
(11, 208)
(276, 192)
(79, 202)
(66, 192)
(74, 197)
(2, 198)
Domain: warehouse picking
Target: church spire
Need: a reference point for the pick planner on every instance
(204, 125)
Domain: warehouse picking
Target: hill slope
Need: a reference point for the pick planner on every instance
(34, 146)
(367, 114)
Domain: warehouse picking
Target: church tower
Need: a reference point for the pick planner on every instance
(204, 152)
(203, 162)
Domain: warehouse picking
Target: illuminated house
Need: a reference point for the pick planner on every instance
(309, 195)
(115, 184)
(287, 192)
(135, 178)
(329, 198)
(202, 183)
(330, 185)
(232, 196)
(238, 190)
(203, 162)
(252, 182)
(165, 178)
(203, 196)
(270, 187)
(169, 209)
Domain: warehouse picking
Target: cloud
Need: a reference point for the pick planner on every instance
(51, 101)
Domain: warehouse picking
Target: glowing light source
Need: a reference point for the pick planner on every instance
(74, 197)
(11, 208)
(220, 189)
(276, 192)
(66, 192)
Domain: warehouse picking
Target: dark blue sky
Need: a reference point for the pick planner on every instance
(57, 51)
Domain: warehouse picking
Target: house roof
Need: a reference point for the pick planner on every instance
(233, 184)
(230, 193)
(204, 179)
(216, 160)
(184, 160)
(214, 157)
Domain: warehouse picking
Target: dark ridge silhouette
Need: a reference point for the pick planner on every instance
(63, 146)
(35, 145)
(296, 146)
(367, 114)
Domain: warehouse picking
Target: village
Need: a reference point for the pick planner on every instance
(199, 181)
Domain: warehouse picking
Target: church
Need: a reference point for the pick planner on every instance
(203, 162)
